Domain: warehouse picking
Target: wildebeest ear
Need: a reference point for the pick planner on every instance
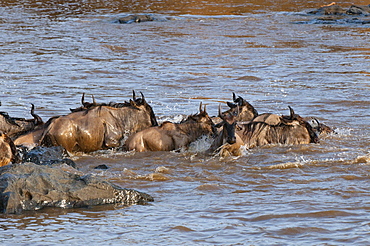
(133, 104)
(238, 127)
(241, 101)
(219, 125)
(231, 105)
(317, 121)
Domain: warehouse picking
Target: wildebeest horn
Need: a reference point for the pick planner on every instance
(200, 107)
(234, 97)
(133, 103)
(83, 99)
(93, 98)
(133, 95)
(291, 112)
(142, 96)
(37, 118)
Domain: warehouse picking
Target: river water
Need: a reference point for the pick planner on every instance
(269, 52)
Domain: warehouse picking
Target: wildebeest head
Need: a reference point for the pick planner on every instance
(141, 102)
(202, 117)
(13, 126)
(319, 127)
(246, 112)
(228, 124)
(296, 119)
(227, 142)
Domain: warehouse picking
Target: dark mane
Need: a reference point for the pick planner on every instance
(110, 104)
(9, 119)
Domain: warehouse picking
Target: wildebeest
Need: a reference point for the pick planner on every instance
(226, 142)
(98, 127)
(274, 119)
(293, 129)
(7, 150)
(14, 127)
(30, 139)
(172, 136)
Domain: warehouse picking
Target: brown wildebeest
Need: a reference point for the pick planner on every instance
(292, 130)
(14, 127)
(172, 136)
(7, 150)
(32, 138)
(274, 119)
(226, 142)
(98, 127)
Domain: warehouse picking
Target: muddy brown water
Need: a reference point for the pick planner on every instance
(269, 52)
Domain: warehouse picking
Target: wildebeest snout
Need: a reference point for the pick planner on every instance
(231, 140)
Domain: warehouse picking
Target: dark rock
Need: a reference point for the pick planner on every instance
(333, 9)
(329, 10)
(46, 156)
(358, 10)
(28, 186)
(135, 18)
(40, 154)
(102, 166)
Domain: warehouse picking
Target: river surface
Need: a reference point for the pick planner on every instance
(269, 52)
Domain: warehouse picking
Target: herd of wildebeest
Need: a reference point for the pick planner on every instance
(133, 125)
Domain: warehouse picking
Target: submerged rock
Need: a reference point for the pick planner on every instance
(28, 186)
(102, 166)
(334, 9)
(335, 14)
(135, 18)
